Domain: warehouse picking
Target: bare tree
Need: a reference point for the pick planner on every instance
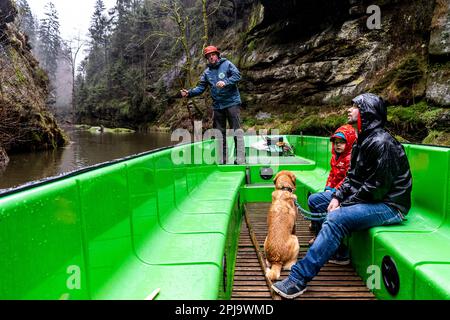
(182, 21)
(205, 16)
(205, 24)
(73, 48)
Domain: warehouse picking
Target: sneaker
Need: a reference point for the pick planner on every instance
(288, 289)
(339, 260)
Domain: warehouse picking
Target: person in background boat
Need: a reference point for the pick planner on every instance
(341, 151)
(376, 191)
(222, 77)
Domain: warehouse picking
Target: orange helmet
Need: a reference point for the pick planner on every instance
(210, 49)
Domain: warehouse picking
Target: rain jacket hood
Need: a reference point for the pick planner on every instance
(340, 163)
(379, 169)
(350, 137)
(372, 110)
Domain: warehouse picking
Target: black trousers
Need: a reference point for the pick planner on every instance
(232, 115)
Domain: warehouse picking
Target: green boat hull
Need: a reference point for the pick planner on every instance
(123, 229)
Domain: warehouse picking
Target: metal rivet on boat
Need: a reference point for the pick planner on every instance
(390, 275)
(266, 173)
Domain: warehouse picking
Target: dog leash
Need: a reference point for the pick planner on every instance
(306, 214)
(316, 216)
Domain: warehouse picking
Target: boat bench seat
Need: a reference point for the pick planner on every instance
(121, 231)
(432, 281)
(420, 246)
(180, 234)
(312, 180)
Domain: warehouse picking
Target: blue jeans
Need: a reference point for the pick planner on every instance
(318, 202)
(339, 224)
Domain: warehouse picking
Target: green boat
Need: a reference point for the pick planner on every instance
(122, 230)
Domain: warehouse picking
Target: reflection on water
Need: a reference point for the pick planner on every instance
(85, 149)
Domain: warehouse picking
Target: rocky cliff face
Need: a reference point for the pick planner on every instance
(438, 89)
(308, 59)
(25, 124)
(303, 61)
(323, 52)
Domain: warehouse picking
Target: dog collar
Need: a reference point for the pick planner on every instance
(287, 189)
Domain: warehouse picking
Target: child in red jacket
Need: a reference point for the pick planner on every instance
(342, 142)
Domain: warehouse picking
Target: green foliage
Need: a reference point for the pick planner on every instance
(41, 76)
(251, 46)
(248, 122)
(415, 116)
(414, 122)
(21, 79)
(319, 124)
(114, 80)
(408, 118)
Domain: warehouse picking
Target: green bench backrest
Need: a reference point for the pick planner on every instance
(106, 214)
(41, 236)
(317, 149)
(430, 168)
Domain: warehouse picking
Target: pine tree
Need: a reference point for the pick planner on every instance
(98, 28)
(99, 33)
(26, 22)
(49, 40)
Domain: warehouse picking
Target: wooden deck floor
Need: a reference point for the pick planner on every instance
(333, 282)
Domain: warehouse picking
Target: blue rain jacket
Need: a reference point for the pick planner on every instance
(224, 71)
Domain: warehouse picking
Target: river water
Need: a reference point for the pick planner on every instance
(85, 149)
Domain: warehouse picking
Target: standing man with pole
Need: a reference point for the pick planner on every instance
(222, 77)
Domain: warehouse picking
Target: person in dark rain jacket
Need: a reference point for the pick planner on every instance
(376, 191)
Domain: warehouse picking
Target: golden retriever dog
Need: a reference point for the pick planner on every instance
(281, 245)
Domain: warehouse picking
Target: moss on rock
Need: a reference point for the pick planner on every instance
(319, 124)
(439, 138)
(404, 83)
(415, 122)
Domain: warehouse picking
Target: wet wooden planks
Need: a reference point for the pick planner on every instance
(333, 282)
